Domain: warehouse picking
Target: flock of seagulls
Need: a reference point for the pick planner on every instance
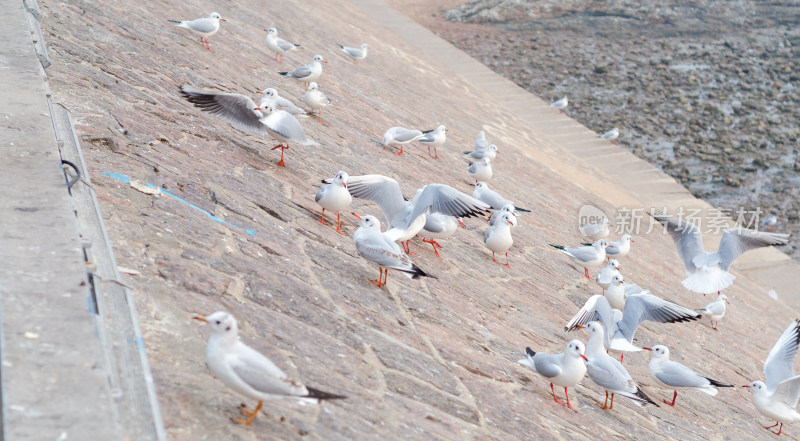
(610, 319)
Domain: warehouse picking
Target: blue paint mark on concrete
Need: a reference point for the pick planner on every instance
(127, 180)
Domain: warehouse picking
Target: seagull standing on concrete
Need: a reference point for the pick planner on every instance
(355, 53)
(205, 27)
(673, 374)
(565, 369)
(439, 226)
(400, 136)
(308, 73)
(586, 256)
(619, 248)
(777, 398)
(247, 371)
(560, 104)
(315, 99)
(334, 196)
(279, 45)
(480, 171)
(434, 138)
(715, 310)
(270, 95)
(488, 152)
(497, 238)
(708, 272)
(611, 135)
(607, 273)
(378, 248)
(242, 112)
(484, 193)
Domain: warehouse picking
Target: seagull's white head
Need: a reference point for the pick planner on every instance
(602, 243)
(480, 185)
(364, 46)
(318, 59)
(659, 351)
(613, 264)
(221, 323)
(626, 238)
(341, 178)
(493, 147)
(757, 387)
(313, 85)
(270, 93)
(617, 279)
(370, 222)
(265, 107)
(508, 218)
(509, 208)
(576, 349)
(723, 298)
(272, 31)
(441, 128)
(215, 16)
(592, 328)
(485, 161)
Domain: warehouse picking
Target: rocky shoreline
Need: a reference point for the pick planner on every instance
(707, 91)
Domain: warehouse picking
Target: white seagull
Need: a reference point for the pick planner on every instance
(247, 371)
(354, 52)
(270, 95)
(611, 135)
(497, 238)
(315, 99)
(308, 73)
(638, 308)
(607, 372)
(586, 256)
(607, 273)
(560, 104)
(439, 226)
(279, 45)
(481, 171)
(333, 195)
(434, 138)
(401, 136)
(480, 141)
(675, 375)
(488, 152)
(565, 369)
(406, 218)
(618, 291)
(619, 248)
(242, 112)
(708, 272)
(778, 398)
(508, 208)
(379, 248)
(493, 198)
(205, 27)
(715, 310)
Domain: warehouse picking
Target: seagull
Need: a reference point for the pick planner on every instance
(439, 226)
(434, 138)
(355, 53)
(334, 196)
(497, 238)
(715, 310)
(400, 136)
(242, 112)
(488, 152)
(508, 208)
(611, 135)
(638, 308)
(480, 141)
(708, 272)
(205, 27)
(565, 369)
(247, 371)
(279, 45)
(493, 198)
(560, 104)
(778, 398)
(315, 99)
(270, 95)
(406, 218)
(596, 230)
(619, 248)
(379, 248)
(586, 256)
(480, 171)
(618, 291)
(609, 271)
(607, 372)
(673, 374)
(308, 73)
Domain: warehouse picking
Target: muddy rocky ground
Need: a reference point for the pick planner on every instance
(706, 91)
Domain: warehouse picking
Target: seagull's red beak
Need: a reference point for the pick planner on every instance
(344, 184)
(260, 92)
(200, 317)
(221, 19)
(746, 385)
(581, 326)
(647, 349)
(584, 357)
(357, 216)
(258, 108)
(462, 224)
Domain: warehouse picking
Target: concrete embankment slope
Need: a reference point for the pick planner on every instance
(428, 359)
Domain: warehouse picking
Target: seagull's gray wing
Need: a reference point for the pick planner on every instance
(677, 375)
(285, 45)
(494, 199)
(687, 238)
(287, 126)
(377, 248)
(262, 374)
(204, 25)
(641, 307)
(780, 361)
(584, 254)
(383, 191)
(300, 72)
(596, 309)
(435, 223)
(716, 308)
(788, 391)
(235, 108)
(736, 241)
(402, 134)
(548, 365)
(440, 198)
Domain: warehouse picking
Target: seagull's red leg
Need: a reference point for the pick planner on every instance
(322, 218)
(611, 407)
(339, 223)
(621, 357)
(495, 261)
(401, 151)
(282, 147)
(506, 264)
(385, 276)
(774, 425)
(408, 248)
(569, 405)
(586, 272)
(252, 415)
(380, 275)
(433, 244)
(674, 396)
(779, 430)
(554, 395)
(605, 405)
